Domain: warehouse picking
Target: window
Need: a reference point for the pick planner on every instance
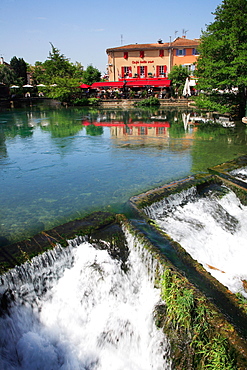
(128, 130)
(126, 72)
(142, 131)
(160, 130)
(142, 71)
(195, 52)
(141, 54)
(190, 68)
(180, 52)
(126, 55)
(161, 54)
(161, 71)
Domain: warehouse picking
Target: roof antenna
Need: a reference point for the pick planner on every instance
(121, 40)
(176, 34)
(184, 32)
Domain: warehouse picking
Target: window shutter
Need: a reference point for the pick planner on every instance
(161, 53)
(184, 52)
(122, 68)
(177, 52)
(138, 70)
(125, 55)
(145, 71)
(165, 70)
(130, 72)
(157, 71)
(141, 54)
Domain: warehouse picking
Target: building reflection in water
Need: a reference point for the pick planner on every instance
(120, 129)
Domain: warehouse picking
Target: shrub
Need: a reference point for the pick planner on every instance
(149, 102)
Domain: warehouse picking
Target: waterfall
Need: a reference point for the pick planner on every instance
(168, 204)
(212, 227)
(76, 308)
(240, 174)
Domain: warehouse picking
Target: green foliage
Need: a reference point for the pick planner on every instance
(149, 102)
(242, 301)
(56, 66)
(222, 64)
(66, 89)
(214, 103)
(178, 77)
(81, 101)
(93, 130)
(93, 101)
(91, 75)
(179, 302)
(188, 317)
(8, 76)
(19, 66)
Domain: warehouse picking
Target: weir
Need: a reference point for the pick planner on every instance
(112, 293)
(81, 308)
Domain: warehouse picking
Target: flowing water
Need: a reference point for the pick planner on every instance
(76, 308)
(212, 227)
(240, 174)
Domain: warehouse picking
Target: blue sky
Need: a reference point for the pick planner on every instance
(83, 29)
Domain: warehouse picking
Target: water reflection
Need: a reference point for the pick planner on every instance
(59, 164)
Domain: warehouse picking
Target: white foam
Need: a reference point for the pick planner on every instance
(214, 232)
(95, 317)
(240, 173)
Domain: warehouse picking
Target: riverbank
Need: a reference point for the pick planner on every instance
(104, 103)
(109, 103)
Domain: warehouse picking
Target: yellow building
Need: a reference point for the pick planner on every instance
(151, 60)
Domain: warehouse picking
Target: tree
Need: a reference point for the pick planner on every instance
(178, 77)
(19, 66)
(66, 89)
(8, 76)
(222, 64)
(91, 75)
(56, 66)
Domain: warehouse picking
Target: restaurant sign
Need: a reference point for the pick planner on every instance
(142, 61)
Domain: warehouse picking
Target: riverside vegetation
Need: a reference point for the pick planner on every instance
(188, 323)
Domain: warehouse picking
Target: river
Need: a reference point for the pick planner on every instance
(58, 164)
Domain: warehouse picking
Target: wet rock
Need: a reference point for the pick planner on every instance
(4, 241)
(245, 285)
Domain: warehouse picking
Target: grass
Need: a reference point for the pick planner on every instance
(194, 341)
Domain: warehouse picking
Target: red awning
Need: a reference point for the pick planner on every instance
(131, 82)
(84, 86)
(152, 82)
(107, 84)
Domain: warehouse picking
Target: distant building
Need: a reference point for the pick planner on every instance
(151, 60)
(2, 62)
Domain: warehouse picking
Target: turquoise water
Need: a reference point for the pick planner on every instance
(60, 164)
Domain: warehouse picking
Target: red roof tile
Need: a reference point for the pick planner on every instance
(178, 42)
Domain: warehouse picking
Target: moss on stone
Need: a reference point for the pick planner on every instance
(18, 253)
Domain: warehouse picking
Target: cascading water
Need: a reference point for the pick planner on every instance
(240, 173)
(212, 228)
(77, 308)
